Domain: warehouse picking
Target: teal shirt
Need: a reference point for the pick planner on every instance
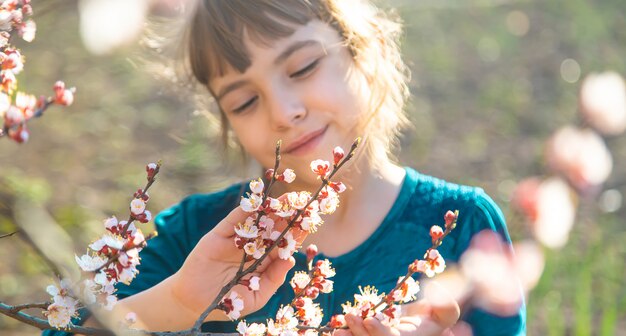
(402, 237)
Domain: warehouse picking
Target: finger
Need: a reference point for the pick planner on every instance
(273, 277)
(355, 323)
(419, 307)
(342, 332)
(444, 308)
(225, 227)
(375, 328)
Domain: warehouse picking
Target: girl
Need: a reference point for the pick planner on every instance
(315, 74)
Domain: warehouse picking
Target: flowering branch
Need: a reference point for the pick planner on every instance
(138, 205)
(26, 107)
(322, 169)
(125, 249)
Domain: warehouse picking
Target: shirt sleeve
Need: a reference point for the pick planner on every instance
(487, 215)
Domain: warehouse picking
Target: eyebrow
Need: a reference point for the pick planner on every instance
(280, 59)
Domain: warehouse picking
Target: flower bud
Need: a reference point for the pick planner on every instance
(59, 87)
(338, 154)
(436, 232)
(27, 10)
(65, 97)
(20, 134)
(288, 175)
(269, 173)
(311, 252)
(450, 218)
(151, 169)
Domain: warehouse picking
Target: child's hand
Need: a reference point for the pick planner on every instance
(419, 318)
(215, 261)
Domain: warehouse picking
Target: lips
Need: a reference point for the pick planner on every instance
(305, 142)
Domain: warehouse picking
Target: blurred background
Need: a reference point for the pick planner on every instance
(492, 81)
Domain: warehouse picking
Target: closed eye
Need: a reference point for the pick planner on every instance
(306, 70)
(245, 105)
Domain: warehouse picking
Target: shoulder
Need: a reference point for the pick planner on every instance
(432, 197)
(198, 213)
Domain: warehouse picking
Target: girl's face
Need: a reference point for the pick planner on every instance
(299, 89)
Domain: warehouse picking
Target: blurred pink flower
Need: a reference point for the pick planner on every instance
(489, 265)
(580, 155)
(603, 102)
(549, 207)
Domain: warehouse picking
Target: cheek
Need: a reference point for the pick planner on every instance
(337, 94)
(251, 137)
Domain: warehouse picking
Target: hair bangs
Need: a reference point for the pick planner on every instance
(217, 34)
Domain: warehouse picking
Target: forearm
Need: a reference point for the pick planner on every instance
(157, 309)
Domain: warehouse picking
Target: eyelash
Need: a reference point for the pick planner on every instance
(307, 69)
(245, 105)
(298, 74)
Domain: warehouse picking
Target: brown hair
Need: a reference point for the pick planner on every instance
(213, 40)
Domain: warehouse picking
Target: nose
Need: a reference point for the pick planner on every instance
(286, 107)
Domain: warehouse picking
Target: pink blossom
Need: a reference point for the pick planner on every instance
(299, 281)
(285, 323)
(254, 329)
(298, 200)
(254, 249)
(59, 316)
(407, 290)
(554, 212)
(435, 263)
(266, 223)
(581, 155)
(256, 186)
(232, 305)
(390, 316)
(255, 283)
(311, 222)
(251, 204)
(289, 175)
(320, 167)
(247, 229)
(323, 268)
(137, 206)
(603, 102)
(288, 246)
(90, 263)
(329, 204)
(500, 292)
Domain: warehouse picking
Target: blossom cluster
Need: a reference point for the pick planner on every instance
(112, 258)
(295, 210)
(303, 316)
(257, 232)
(16, 108)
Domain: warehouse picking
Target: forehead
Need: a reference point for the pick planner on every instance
(264, 53)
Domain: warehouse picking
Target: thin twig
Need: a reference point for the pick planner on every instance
(15, 313)
(131, 218)
(9, 234)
